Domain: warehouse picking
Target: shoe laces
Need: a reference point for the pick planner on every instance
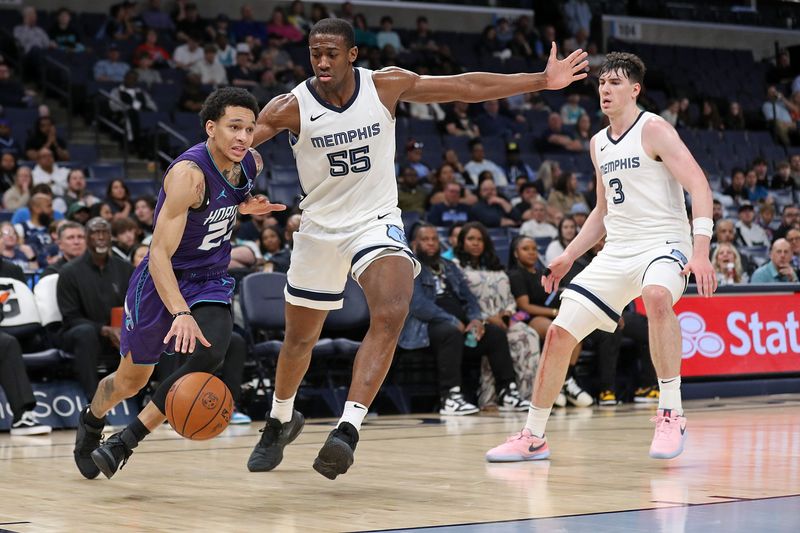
(663, 426)
(573, 389)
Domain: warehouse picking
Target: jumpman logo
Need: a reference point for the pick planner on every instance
(222, 194)
(226, 281)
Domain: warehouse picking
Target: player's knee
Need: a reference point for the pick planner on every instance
(129, 385)
(657, 301)
(558, 340)
(390, 316)
(207, 359)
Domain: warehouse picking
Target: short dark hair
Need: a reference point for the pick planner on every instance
(629, 64)
(215, 104)
(338, 27)
(419, 226)
(68, 224)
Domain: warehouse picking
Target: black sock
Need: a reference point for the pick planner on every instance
(570, 371)
(134, 433)
(92, 420)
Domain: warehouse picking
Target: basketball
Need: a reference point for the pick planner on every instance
(199, 406)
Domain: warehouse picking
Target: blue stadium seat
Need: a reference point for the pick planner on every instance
(5, 215)
(106, 171)
(284, 174)
(83, 154)
(139, 188)
(97, 186)
(284, 193)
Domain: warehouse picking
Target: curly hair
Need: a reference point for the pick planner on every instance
(215, 104)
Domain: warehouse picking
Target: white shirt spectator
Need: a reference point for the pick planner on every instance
(210, 73)
(474, 170)
(56, 178)
(389, 37)
(554, 249)
(31, 37)
(538, 230)
(426, 111)
(185, 58)
(753, 235)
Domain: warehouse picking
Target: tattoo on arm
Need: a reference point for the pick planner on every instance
(258, 159)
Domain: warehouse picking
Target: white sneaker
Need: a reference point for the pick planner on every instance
(576, 395)
(510, 400)
(456, 405)
(239, 418)
(561, 399)
(28, 425)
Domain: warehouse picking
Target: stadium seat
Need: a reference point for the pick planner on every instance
(106, 171)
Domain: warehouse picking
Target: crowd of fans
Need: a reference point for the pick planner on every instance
(494, 179)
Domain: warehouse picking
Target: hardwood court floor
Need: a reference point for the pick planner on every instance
(411, 471)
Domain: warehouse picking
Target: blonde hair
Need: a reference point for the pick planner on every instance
(738, 270)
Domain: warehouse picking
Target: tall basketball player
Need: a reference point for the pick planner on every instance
(179, 296)
(642, 167)
(342, 129)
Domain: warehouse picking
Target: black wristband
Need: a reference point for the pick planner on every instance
(179, 313)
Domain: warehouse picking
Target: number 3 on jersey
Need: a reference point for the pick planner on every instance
(619, 196)
(357, 158)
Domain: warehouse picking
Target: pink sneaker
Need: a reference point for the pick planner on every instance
(522, 446)
(670, 434)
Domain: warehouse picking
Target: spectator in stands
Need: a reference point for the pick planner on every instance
(444, 315)
(364, 36)
(44, 135)
(457, 122)
(226, 54)
(103, 210)
(717, 211)
(193, 95)
(387, 35)
(583, 131)
(793, 238)
(783, 71)
(118, 198)
(249, 27)
(8, 169)
(443, 176)
(580, 212)
(555, 139)
(88, 288)
(124, 237)
(144, 209)
(794, 164)
(546, 39)
(186, 55)
(450, 210)
(414, 159)
(64, 33)
(13, 251)
(28, 34)
(139, 253)
(35, 231)
(734, 120)
(779, 268)
(736, 190)
(670, 113)
(475, 255)
(790, 219)
(410, 195)
(48, 172)
(18, 194)
(128, 100)
(297, 16)
(782, 180)
(490, 46)
(565, 193)
(243, 74)
(281, 28)
(727, 262)
(153, 17)
(776, 112)
(159, 57)
(146, 74)
(761, 167)
(528, 195)
(515, 166)
(209, 69)
(188, 24)
(451, 158)
(273, 249)
(111, 68)
(725, 233)
(567, 230)
(452, 240)
(577, 15)
(79, 212)
(13, 378)
(119, 24)
(492, 124)
(755, 191)
(478, 164)
(766, 216)
(268, 88)
(521, 47)
(492, 209)
(537, 226)
(76, 189)
(685, 118)
(748, 233)
(572, 110)
(71, 240)
(8, 145)
(709, 117)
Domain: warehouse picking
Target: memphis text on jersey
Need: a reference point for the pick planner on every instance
(624, 163)
(344, 137)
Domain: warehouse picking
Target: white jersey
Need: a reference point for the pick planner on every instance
(645, 202)
(345, 156)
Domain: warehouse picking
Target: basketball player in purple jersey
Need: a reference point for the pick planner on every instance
(341, 123)
(179, 296)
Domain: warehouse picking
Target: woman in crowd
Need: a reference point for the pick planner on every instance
(118, 198)
(727, 264)
(567, 229)
(20, 193)
(144, 209)
(565, 193)
(12, 251)
(444, 175)
(476, 256)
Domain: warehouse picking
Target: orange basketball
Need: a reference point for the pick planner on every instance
(199, 406)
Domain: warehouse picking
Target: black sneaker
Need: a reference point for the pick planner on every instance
(87, 440)
(268, 452)
(336, 455)
(113, 454)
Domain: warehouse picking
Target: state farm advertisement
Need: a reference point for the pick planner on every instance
(739, 334)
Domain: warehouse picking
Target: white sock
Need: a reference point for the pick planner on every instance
(282, 409)
(537, 420)
(670, 394)
(354, 413)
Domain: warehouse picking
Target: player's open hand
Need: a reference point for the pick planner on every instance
(561, 73)
(555, 272)
(259, 205)
(186, 333)
(704, 274)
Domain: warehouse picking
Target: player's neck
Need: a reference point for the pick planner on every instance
(620, 123)
(340, 95)
(228, 168)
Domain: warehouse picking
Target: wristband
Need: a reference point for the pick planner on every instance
(703, 226)
(180, 313)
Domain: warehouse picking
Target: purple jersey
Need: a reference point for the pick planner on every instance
(206, 241)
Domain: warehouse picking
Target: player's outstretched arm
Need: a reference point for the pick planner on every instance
(660, 140)
(400, 84)
(280, 113)
(184, 187)
(592, 231)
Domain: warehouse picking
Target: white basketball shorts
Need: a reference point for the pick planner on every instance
(323, 258)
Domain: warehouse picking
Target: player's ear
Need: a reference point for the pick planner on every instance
(637, 89)
(352, 54)
(211, 127)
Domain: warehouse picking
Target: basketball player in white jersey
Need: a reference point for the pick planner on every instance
(642, 167)
(341, 123)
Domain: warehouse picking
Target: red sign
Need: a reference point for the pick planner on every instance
(738, 334)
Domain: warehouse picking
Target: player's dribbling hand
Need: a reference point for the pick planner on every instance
(555, 271)
(259, 205)
(186, 333)
(704, 275)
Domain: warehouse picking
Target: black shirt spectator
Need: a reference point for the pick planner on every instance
(44, 135)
